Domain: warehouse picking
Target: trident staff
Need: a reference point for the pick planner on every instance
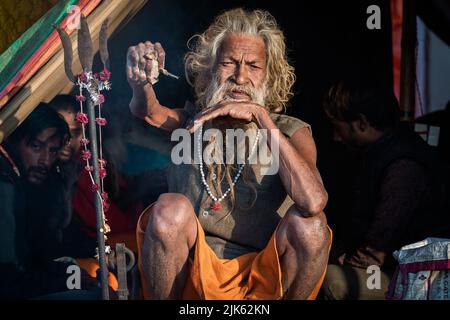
(93, 85)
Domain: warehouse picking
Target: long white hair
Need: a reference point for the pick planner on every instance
(201, 60)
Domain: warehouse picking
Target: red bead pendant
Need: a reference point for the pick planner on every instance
(216, 206)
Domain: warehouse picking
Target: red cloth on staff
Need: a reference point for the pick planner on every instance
(120, 221)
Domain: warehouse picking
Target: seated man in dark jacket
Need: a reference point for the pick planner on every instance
(30, 213)
(398, 198)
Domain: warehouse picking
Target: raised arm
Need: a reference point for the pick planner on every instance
(144, 103)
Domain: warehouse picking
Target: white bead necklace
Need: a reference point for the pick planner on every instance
(216, 205)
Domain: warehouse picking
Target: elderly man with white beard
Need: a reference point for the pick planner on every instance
(227, 231)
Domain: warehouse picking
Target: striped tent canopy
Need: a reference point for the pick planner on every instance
(31, 62)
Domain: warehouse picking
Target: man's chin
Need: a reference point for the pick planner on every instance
(36, 180)
(351, 147)
(238, 97)
(64, 156)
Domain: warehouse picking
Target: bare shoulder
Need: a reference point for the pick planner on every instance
(303, 142)
(287, 124)
(299, 134)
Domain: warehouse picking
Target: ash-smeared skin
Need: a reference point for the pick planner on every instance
(302, 237)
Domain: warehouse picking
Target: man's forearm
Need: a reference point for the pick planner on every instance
(144, 102)
(366, 256)
(146, 106)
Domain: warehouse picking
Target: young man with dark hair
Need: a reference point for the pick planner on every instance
(399, 196)
(30, 214)
(37, 142)
(68, 107)
(69, 167)
(124, 204)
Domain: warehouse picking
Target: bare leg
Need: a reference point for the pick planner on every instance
(170, 235)
(302, 245)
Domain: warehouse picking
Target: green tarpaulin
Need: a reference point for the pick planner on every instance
(13, 59)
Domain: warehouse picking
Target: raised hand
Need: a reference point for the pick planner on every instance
(240, 110)
(144, 62)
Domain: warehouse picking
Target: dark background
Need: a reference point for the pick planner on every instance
(327, 41)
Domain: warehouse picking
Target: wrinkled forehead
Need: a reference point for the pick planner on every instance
(243, 46)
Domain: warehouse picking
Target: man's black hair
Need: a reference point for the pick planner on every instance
(65, 102)
(346, 101)
(42, 117)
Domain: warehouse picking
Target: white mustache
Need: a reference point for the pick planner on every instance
(244, 89)
(219, 92)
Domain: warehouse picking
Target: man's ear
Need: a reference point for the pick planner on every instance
(362, 122)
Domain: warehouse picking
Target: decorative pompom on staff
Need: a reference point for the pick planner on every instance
(92, 153)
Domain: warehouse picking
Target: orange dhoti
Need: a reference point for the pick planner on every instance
(255, 275)
(91, 266)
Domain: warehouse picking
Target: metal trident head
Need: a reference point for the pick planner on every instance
(85, 48)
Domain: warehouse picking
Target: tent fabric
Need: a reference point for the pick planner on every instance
(21, 50)
(436, 15)
(21, 61)
(397, 24)
(47, 78)
(16, 16)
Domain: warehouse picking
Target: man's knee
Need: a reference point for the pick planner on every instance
(335, 284)
(353, 283)
(169, 216)
(309, 234)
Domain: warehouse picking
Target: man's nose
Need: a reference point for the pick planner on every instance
(45, 158)
(241, 75)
